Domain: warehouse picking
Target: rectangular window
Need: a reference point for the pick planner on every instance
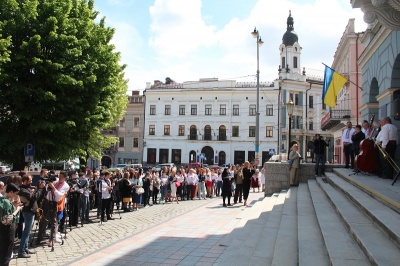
(167, 130)
(269, 131)
(283, 62)
(324, 106)
(167, 109)
(252, 131)
(152, 110)
(182, 110)
(311, 126)
(296, 99)
(193, 109)
(208, 109)
(136, 122)
(239, 157)
(121, 142)
(163, 156)
(235, 109)
(270, 110)
(222, 109)
(181, 130)
(122, 122)
(152, 129)
(251, 155)
(176, 156)
(311, 101)
(252, 109)
(135, 142)
(235, 131)
(151, 156)
(297, 122)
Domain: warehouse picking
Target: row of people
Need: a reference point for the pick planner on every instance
(61, 201)
(382, 133)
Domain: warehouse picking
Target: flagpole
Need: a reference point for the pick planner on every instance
(347, 79)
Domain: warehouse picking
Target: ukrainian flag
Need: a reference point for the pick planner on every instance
(333, 84)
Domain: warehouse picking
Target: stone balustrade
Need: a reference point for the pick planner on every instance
(277, 175)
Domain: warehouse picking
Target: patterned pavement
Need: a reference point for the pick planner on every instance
(92, 237)
(190, 239)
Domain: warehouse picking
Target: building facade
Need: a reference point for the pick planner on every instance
(380, 61)
(348, 104)
(129, 131)
(304, 88)
(211, 121)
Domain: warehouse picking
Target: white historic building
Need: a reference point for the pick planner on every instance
(304, 88)
(209, 120)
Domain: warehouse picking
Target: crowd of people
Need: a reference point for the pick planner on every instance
(65, 200)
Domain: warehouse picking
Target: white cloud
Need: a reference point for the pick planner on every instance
(184, 46)
(178, 28)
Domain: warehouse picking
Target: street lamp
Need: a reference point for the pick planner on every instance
(259, 42)
(289, 108)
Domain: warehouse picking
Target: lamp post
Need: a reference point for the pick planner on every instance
(259, 42)
(289, 108)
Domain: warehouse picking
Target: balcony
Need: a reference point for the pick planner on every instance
(193, 137)
(110, 131)
(333, 118)
(208, 137)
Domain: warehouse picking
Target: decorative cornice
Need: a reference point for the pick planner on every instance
(367, 106)
(385, 94)
(376, 42)
(386, 11)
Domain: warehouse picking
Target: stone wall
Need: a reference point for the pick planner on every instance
(277, 175)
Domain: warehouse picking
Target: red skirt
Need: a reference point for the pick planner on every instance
(254, 183)
(209, 183)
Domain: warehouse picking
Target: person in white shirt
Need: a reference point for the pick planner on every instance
(214, 177)
(106, 190)
(191, 180)
(219, 181)
(56, 193)
(347, 145)
(388, 139)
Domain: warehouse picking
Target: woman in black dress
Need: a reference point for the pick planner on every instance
(226, 187)
(248, 172)
(126, 192)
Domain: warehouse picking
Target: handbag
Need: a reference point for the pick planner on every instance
(139, 190)
(177, 184)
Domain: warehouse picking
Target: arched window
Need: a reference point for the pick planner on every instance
(222, 133)
(295, 61)
(193, 133)
(207, 132)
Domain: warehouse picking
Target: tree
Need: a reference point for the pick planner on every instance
(62, 83)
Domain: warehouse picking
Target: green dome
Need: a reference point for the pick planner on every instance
(290, 37)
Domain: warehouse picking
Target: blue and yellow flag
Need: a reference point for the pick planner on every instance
(333, 84)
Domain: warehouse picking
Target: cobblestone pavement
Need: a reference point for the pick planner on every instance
(93, 237)
(196, 238)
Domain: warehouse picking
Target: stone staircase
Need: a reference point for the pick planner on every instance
(326, 221)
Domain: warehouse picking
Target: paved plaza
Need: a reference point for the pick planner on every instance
(186, 233)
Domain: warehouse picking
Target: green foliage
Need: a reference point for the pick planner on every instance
(60, 79)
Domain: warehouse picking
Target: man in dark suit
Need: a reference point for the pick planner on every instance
(357, 137)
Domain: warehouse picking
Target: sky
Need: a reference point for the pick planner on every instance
(187, 40)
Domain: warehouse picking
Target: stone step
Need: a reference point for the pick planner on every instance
(341, 248)
(379, 248)
(312, 250)
(286, 244)
(386, 218)
(380, 189)
(241, 242)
